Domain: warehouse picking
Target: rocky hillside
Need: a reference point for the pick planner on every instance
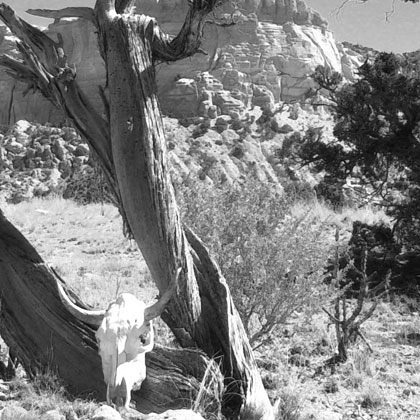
(266, 58)
(37, 160)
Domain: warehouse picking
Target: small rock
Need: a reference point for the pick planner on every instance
(58, 148)
(20, 130)
(78, 161)
(53, 415)
(284, 129)
(46, 154)
(82, 150)
(13, 146)
(22, 126)
(19, 162)
(221, 124)
(237, 152)
(105, 412)
(13, 413)
(65, 167)
(212, 111)
(44, 140)
(175, 415)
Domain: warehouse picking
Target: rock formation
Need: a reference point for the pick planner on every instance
(267, 57)
(38, 160)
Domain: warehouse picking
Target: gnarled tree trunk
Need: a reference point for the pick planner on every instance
(129, 144)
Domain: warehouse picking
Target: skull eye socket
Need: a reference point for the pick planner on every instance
(143, 337)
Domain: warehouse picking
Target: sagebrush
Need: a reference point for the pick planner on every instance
(272, 258)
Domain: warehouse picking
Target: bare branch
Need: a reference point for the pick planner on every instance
(338, 9)
(123, 6)
(188, 41)
(391, 12)
(367, 315)
(332, 317)
(360, 334)
(67, 12)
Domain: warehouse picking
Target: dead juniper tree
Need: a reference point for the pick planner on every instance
(346, 318)
(126, 136)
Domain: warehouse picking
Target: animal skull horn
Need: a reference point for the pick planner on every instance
(91, 317)
(155, 310)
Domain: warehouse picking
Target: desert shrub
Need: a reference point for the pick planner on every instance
(272, 258)
(87, 185)
(289, 405)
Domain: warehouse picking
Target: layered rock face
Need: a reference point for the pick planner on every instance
(267, 57)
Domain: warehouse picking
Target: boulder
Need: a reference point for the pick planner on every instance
(226, 103)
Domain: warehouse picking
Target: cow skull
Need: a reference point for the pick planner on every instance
(124, 335)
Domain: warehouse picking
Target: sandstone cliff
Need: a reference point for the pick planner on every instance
(265, 58)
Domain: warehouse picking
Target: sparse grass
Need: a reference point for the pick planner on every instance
(372, 396)
(86, 246)
(202, 403)
(360, 366)
(44, 393)
(289, 404)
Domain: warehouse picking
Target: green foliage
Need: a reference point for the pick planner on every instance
(272, 258)
(378, 132)
(327, 79)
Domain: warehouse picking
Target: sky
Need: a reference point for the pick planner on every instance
(359, 22)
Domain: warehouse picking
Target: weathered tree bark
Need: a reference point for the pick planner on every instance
(130, 145)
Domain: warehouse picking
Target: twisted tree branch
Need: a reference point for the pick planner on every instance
(122, 6)
(68, 12)
(189, 39)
